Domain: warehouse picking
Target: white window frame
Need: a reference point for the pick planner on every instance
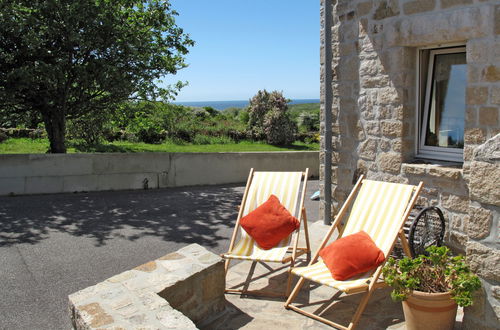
(423, 151)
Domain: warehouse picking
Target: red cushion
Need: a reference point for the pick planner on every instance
(351, 255)
(269, 223)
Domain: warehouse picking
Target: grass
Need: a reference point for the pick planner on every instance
(303, 107)
(38, 146)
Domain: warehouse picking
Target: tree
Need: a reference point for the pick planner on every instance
(66, 59)
(269, 118)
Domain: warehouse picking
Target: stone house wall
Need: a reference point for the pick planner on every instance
(374, 109)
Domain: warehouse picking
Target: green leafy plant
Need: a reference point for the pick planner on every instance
(436, 272)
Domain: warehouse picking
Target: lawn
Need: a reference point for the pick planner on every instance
(38, 146)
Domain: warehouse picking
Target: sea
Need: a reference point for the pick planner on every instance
(221, 105)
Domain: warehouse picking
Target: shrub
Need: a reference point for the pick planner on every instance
(309, 122)
(268, 117)
(3, 136)
(91, 127)
(278, 128)
(244, 117)
(151, 135)
(308, 137)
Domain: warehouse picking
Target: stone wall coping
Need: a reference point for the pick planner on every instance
(131, 299)
(452, 172)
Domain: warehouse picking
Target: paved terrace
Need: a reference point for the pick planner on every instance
(54, 245)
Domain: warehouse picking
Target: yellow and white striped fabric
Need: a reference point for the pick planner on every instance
(378, 210)
(285, 186)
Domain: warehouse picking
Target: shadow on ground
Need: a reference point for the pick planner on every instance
(176, 215)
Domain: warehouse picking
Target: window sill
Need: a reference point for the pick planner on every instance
(438, 169)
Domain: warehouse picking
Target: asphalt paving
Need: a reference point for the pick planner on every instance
(54, 245)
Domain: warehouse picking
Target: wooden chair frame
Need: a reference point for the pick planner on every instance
(294, 250)
(374, 282)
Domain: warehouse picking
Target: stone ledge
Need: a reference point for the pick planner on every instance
(438, 171)
(139, 298)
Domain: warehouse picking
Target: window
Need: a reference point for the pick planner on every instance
(443, 79)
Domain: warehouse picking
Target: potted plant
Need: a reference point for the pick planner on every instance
(430, 287)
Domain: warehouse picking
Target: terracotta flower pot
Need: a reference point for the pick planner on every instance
(429, 311)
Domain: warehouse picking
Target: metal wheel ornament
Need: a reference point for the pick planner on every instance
(427, 229)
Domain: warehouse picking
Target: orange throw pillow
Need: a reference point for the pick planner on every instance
(351, 255)
(269, 223)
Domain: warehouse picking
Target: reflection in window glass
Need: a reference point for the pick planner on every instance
(446, 108)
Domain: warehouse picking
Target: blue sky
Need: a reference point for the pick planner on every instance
(243, 46)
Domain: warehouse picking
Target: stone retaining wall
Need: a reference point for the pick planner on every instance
(56, 173)
(176, 291)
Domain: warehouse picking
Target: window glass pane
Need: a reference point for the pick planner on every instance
(445, 122)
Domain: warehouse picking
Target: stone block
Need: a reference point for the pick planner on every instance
(458, 240)
(474, 136)
(477, 95)
(476, 51)
(488, 116)
(445, 172)
(392, 128)
(491, 73)
(479, 223)
(449, 25)
(414, 169)
(483, 182)
(495, 95)
(468, 151)
(369, 68)
(449, 186)
(121, 277)
(484, 261)
(455, 203)
(387, 96)
(386, 9)
(389, 162)
(471, 116)
(474, 73)
(384, 145)
(147, 267)
(489, 151)
(95, 315)
(418, 6)
(372, 128)
(368, 149)
(363, 8)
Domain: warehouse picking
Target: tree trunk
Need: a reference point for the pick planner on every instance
(55, 125)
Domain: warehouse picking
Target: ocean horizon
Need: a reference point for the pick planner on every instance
(221, 105)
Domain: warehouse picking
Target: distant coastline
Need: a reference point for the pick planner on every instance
(221, 105)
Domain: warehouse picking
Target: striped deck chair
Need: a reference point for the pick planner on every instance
(380, 209)
(260, 185)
